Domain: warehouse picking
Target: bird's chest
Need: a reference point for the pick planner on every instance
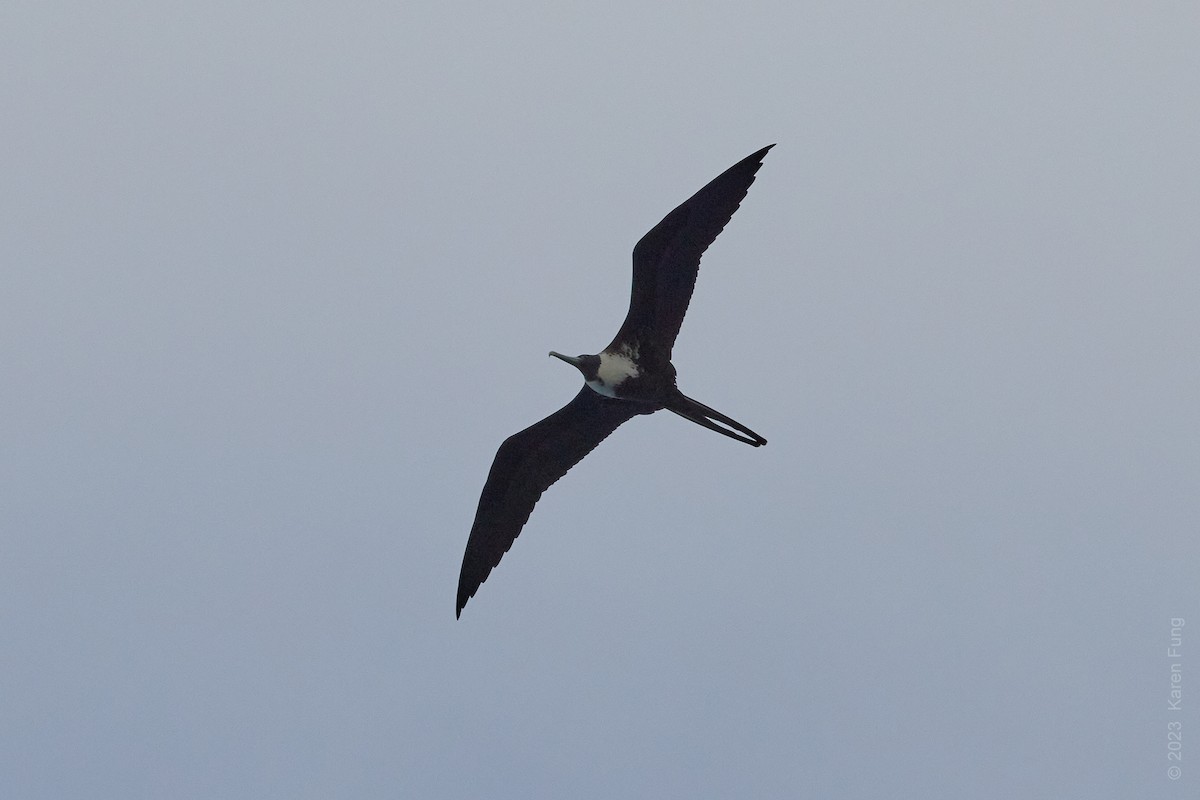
(614, 371)
(618, 375)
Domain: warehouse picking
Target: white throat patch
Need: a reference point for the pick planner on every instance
(614, 368)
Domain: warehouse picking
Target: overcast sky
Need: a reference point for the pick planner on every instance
(276, 279)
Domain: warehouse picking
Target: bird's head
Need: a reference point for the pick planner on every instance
(588, 365)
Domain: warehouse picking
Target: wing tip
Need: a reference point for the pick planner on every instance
(463, 597)
(465, 594)
(759, 155)
(746, 169)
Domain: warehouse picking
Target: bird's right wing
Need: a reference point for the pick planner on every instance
(525, 466)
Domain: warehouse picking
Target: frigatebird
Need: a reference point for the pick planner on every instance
(632, 376)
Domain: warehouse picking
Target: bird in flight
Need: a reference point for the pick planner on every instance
(632, 376)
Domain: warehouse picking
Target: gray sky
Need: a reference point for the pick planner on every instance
(276, 281)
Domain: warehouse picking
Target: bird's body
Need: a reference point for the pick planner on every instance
(633, 375)
(614, 370)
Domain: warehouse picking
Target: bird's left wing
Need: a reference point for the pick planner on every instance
(526, 465)
(667, 259)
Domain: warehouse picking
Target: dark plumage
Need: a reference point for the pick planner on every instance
(632, 376)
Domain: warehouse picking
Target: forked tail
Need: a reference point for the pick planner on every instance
(701, 414)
